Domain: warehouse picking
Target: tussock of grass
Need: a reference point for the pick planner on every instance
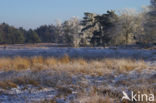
(46, 101)
(7, 85)
(96, 99)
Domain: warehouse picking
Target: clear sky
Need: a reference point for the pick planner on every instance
(33, 13)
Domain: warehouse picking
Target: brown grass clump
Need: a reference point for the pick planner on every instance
(7, 85)
(123, 65)
(25, 81)
(5, 63)
(17, 63)
(3, 85)
(37, 60)
(51, 61)
(96, 99)
(64, 90)
(65, 59)
(20, 63)
(80, 61)
(46, 101)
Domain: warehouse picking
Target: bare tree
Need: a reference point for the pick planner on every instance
(129, 26)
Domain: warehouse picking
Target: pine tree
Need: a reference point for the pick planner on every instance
(32, 37)
(103, 25)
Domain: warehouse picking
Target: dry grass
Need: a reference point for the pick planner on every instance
(96, 99)
(59, 73)
(93, 67)
(41, 67)
(7, 85)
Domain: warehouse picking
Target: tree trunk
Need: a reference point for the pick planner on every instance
(126, 39)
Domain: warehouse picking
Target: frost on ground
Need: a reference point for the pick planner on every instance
(88, 53)
(81, 86)
(66, 80)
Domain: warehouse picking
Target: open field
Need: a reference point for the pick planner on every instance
(51, 50)
(66, 80)
(74, 75)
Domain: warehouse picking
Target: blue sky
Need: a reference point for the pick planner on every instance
(33, 13)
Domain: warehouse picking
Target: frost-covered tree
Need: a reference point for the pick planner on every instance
(89, 26)
(128, 27)
(102, 26)
(71, 30)
(150, 25)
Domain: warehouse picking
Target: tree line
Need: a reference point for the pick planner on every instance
(109, 29)
(64, 33)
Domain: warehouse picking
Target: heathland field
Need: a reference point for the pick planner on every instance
(106, 56)
(75, 75)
